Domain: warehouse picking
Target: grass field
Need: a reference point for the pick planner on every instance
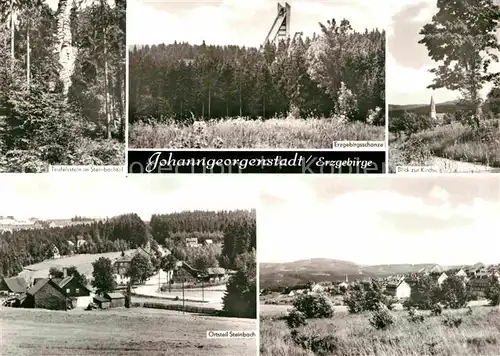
(242, 133)
(455, 142)
(82, 262)
(479, 334)
(136, 331)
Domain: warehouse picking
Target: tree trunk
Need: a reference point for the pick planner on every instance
(241, 110)
(28, 58)
(209, 99)
(12, 32)
(202, 110)
(106, 86)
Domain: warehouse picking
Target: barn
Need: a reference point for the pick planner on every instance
(101, 302)
(46, 294)
(79, 293)
(116, 300)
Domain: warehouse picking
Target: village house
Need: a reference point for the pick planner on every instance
(442, 277)
(208, 242)
(80, 242)
(79, 294)
(192, 242)
(116, 300)
(399, 290)
(54, 251)
(13, 286)
(122, 265)
(45, 294)
(317, 288)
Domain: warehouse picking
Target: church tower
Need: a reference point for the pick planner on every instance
(433, 109)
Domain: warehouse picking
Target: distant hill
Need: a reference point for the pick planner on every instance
(423, 109)
(273, 275)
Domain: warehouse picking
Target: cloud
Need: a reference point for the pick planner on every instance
(381, 226)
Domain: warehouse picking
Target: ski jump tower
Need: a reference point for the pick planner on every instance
(280, 30)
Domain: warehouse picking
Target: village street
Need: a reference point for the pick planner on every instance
(210, 297)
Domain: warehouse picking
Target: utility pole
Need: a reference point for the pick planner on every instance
(183, 303)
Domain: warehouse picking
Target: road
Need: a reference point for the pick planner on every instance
(445, 165)
(210, 297)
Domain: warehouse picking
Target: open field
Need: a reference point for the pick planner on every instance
(82, 262)
(479, 334)
(452, 148)
(246, 133)
(137, 331)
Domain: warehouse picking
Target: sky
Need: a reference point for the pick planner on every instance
(60, 196)
(239, 22)
(380, 220)
(408, 62)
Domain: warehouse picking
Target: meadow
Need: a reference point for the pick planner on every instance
(450, 148)
(136, 331)
(352, 335)
(82, 262)
(246, 133)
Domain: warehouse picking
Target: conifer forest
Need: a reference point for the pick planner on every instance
(303, 92)
(62, 83)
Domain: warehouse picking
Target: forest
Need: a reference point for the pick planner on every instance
(179, 90)
(237, 228)
(62, 84)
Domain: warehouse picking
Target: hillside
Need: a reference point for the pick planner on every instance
(274, 275)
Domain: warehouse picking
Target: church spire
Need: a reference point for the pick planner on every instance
(433, 109)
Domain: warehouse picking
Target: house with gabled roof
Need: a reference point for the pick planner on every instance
(45, 294)
(79, 293)
(399, 290)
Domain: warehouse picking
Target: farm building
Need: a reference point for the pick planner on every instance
(45, 294)
(116, 300)
(101, 302)
(79, 293)
(216, 274)
(13, 286)
(399, 290)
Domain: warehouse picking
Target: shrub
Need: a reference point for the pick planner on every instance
(354, 299)
(452, 321)
(321, 345)
(454, 293)
(314, 306)
(492, 292)
(414, 316)
(436, 309)
(381, 318)
(295, 318)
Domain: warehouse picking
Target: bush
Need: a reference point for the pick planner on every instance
(436, 309)
(366, 296)
(381, 318)
(295, 318)
(414, 316)
(452, 321)
(318, 344)
(454, 293)
(314, 306)
(493, 292)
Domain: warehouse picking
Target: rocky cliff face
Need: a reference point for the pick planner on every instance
(67, 53)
